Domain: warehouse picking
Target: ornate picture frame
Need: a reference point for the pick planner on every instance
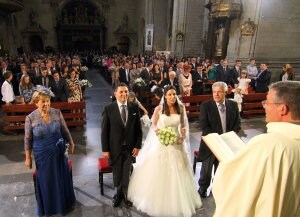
(179, 36)
(248, 28)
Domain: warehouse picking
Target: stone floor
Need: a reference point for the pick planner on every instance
(16, 186)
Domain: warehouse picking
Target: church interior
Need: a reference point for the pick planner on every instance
(91, 33)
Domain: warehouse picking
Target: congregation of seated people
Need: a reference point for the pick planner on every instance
(194, 75)
(191, 76)
(61, 73)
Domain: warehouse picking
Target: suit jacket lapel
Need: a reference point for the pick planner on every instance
(227, 114)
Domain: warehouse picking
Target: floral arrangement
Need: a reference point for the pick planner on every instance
(85, 83)
(167, 136)
(97, 60)
(84, 68)
(139, 82)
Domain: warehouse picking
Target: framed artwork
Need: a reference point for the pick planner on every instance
(149, 37)
(179, 36)
(248, 28)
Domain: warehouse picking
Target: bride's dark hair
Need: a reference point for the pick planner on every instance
(165, 109)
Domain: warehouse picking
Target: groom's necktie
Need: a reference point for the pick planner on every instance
(123, 113)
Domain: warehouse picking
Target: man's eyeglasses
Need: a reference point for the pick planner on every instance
(264, 103)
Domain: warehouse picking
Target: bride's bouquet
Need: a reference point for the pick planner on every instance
(167, 136)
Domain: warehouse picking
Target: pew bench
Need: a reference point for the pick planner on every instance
(252, 105)
(14, 115)
(192, 104)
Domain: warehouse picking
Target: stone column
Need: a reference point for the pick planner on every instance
(178, 27)
(8, 38)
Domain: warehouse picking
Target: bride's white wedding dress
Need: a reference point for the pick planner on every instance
(162, 181)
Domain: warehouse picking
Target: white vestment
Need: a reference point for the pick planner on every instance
(263, 180)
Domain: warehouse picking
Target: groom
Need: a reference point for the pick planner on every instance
(121, 139)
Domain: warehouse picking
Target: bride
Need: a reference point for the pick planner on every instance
(162, 182)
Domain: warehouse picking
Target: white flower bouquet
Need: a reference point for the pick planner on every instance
(97, 60)
(167, 136)
(139, 82)
(85, 83)
(84, 68)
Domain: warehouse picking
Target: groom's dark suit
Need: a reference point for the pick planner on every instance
(210, 122)
(119, 140)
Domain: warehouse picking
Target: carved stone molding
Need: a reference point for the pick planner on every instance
(82, 13)
(34, 30)
(179, 36)
(33, 27)
(248, 28)
(226, 9)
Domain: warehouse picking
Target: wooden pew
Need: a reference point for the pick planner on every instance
(252, 104)
(14, 115)
(192, 104)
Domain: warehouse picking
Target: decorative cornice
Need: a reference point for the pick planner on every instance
(225, 10)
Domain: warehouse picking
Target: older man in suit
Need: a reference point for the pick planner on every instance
(121, 139)
(218, 115)
(171, 80)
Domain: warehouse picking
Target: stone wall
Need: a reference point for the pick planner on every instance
(117, 11)
(194, 28)
(44, 16)
(276, 38)
(160, 22)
